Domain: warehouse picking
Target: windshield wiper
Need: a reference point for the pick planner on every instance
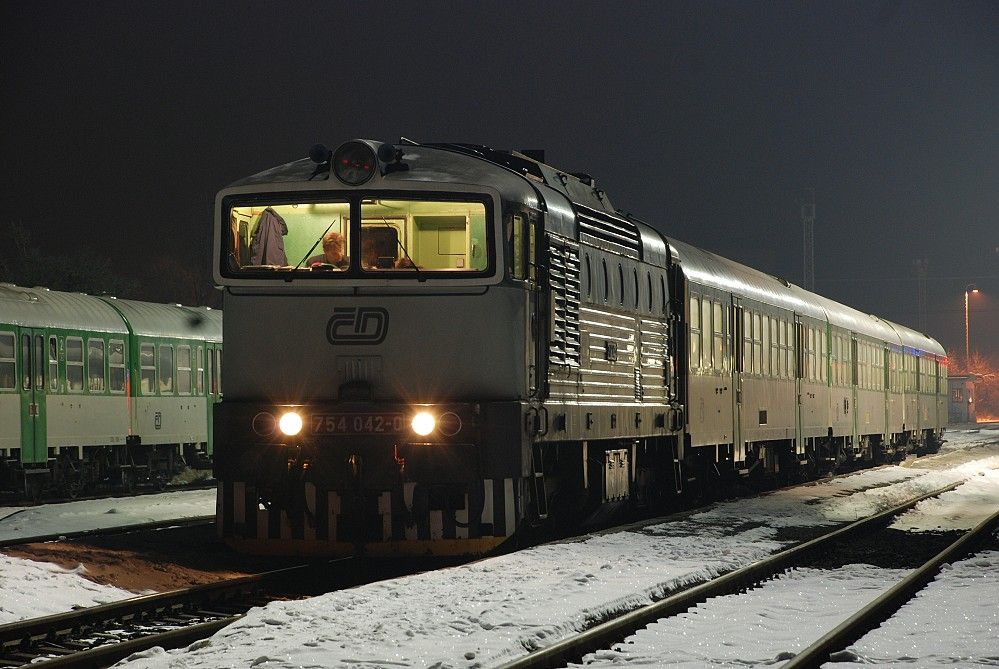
(308, 254)
(419, 277)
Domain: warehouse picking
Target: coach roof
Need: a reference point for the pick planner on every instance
(41, 307)
(170, 320)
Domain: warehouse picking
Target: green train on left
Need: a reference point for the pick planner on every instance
(103, 393)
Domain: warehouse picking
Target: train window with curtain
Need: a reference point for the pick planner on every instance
(200, 371)
(166, 368)
(706, 360)
(184, 370)
(717, 327)
(74, 364)
(8, 365)
(147, 369)
(53, 363)
(695, 333)
(116, 366)
(95, 365)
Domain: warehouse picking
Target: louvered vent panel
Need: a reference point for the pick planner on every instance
(563, 279)
(600, 229)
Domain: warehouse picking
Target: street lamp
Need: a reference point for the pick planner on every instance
(968, 290)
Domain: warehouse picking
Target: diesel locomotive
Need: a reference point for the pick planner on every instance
(433, 347)
(98, 392)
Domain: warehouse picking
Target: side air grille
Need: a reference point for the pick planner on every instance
(615, 234)
(563, 279)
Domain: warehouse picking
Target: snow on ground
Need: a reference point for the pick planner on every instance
(32, 521)
(32, 589)
(954, 621)
(489, 612)
(760, 627)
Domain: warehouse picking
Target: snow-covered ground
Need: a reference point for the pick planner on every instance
(492, 611)
(17, 522)
(489, 612)
(29, 589)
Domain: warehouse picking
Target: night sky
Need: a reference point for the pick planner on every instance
(709, 120)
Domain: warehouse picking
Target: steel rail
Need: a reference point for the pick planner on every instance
(29, 638)
(890, 601)
(104, 531)
(616, 629)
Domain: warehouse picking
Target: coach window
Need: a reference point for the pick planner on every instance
(757, 345)
(116, 366)
(74, 364)
(717, 325)
(53, 363)
(200, 372)
(8, 366)
(519, 258)
(211, 372)
(184, 370)
(706, 360)
(218, 371)
(747, 341)
(620, 282)
(95, 365)
(765, 332)
(39, 362)
(603, 263)
(147, 369)
(166, 368)
(695, 333)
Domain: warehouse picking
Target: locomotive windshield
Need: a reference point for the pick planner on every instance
(397, 237)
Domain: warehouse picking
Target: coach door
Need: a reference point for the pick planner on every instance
(738, 365)
(33, 361)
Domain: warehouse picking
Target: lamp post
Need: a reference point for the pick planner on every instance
(968, 290)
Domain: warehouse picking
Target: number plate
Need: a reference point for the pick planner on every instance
(358, 423)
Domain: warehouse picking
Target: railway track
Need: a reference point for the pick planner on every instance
(609, 632)
(196, 521)
(99, 636)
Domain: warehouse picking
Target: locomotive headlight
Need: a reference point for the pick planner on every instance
(290, 423)
(424, 423)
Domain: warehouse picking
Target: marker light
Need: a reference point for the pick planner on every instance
(354, 163)
(424, 423)
(290, 423)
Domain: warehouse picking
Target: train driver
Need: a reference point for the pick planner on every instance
(332, 253)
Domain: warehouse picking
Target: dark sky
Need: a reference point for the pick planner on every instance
(709, 120)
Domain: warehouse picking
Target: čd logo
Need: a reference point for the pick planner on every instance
(357, 325)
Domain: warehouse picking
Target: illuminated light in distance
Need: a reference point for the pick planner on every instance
(424, 423)
(290, 423)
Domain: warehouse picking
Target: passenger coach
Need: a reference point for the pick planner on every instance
(100, 391)
(432, 347)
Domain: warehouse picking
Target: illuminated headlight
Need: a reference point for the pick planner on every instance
(290, 423)
(424, 423)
